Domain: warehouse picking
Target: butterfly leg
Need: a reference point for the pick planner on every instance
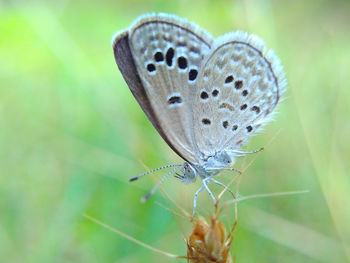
(217, 182)
(195, 200)
(221, 184)
(241, 153)
(207, 188)
(224, 169)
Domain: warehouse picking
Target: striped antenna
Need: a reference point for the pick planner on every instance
(144, 199)
(154, 170)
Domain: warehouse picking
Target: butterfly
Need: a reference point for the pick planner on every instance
(205, 96)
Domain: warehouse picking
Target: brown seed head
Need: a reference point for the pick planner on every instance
(209, 243)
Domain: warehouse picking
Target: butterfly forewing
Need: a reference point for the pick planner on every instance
(238, 91)
(168, 53)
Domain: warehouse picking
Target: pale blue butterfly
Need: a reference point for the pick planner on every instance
(205, 96)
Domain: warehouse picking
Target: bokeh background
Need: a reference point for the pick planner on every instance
(71, 135)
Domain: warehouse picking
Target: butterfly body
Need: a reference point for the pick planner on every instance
(191, 172)
(205, 96)
(209, 167)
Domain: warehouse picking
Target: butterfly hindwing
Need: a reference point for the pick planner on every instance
(240, 85)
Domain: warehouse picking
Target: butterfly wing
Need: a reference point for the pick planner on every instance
(160, 57)
(240, 85)
(126, 65)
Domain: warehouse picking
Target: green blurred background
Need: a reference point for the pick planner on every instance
(71, 135)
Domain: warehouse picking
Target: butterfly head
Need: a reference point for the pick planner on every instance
(189, 173)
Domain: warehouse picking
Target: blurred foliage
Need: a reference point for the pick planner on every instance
(71, 135)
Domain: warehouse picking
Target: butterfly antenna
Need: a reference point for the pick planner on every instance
(144, 199)
(152, 171)
(240, 153)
